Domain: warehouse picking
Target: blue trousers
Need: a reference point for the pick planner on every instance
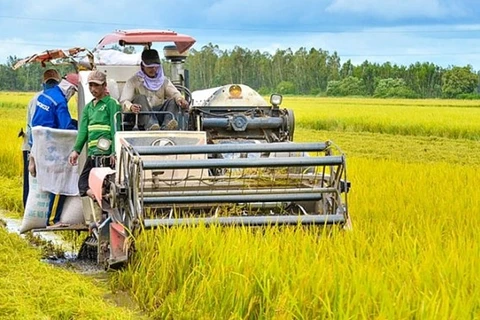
(55, 208)
(25, 177)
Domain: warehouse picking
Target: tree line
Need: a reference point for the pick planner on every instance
(301, 72)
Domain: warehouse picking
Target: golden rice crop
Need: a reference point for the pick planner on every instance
(11, 168)
(15, 99)
(13, 115)
(398, 147)
(412, 254)
(30, 289)
(413, 210)
(387, 103)
(459, 120)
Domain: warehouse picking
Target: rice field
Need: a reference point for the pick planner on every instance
(412, 254)
(450, 119)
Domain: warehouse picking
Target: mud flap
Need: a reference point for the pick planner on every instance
(119, 244)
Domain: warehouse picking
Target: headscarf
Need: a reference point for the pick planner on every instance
(152, 84)
(67, 88)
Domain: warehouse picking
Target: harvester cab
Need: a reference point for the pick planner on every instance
(235, 162)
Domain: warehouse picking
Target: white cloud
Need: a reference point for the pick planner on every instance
(394, 9)
(252, 13)
(15, 47)
(265, 25)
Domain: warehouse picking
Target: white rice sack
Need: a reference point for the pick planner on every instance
(36, 208)
(72, 212)
(51, 148)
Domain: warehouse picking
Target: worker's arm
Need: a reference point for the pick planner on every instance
(63, 116)
(127, 95)
(114, 107)
(172, 92)
(82, 131)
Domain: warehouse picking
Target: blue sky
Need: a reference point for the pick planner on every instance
(444, 32)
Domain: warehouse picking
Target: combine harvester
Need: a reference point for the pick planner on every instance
(234, 162)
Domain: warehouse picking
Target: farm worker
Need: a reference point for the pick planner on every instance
(149, 90)
(26, 146)
(51, 110)
(97, 130)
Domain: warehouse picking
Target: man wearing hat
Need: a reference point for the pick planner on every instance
(49, 108)
(97, 130)
(150, 90)
(68, 87)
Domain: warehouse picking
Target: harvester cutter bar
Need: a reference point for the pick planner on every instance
(271, 197)
(217, 192)
(325, 219)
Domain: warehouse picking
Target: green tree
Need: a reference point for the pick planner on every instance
(393, 88)
(286, 87)
(350, 86)
(459, 80)
(367, 72)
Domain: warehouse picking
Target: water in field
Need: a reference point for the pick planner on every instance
(56, 250)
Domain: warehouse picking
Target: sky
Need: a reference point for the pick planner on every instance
(402, 32)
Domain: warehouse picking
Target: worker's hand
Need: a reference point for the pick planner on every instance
(90, 194)
(73, 158)
(112, 161)
(135, 108)
(32, 167)
(181, 102)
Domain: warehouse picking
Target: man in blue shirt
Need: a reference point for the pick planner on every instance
(51, 110)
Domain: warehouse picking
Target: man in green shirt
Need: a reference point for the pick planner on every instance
(97, 129)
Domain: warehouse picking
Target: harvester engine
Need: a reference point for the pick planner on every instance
(236, 111)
